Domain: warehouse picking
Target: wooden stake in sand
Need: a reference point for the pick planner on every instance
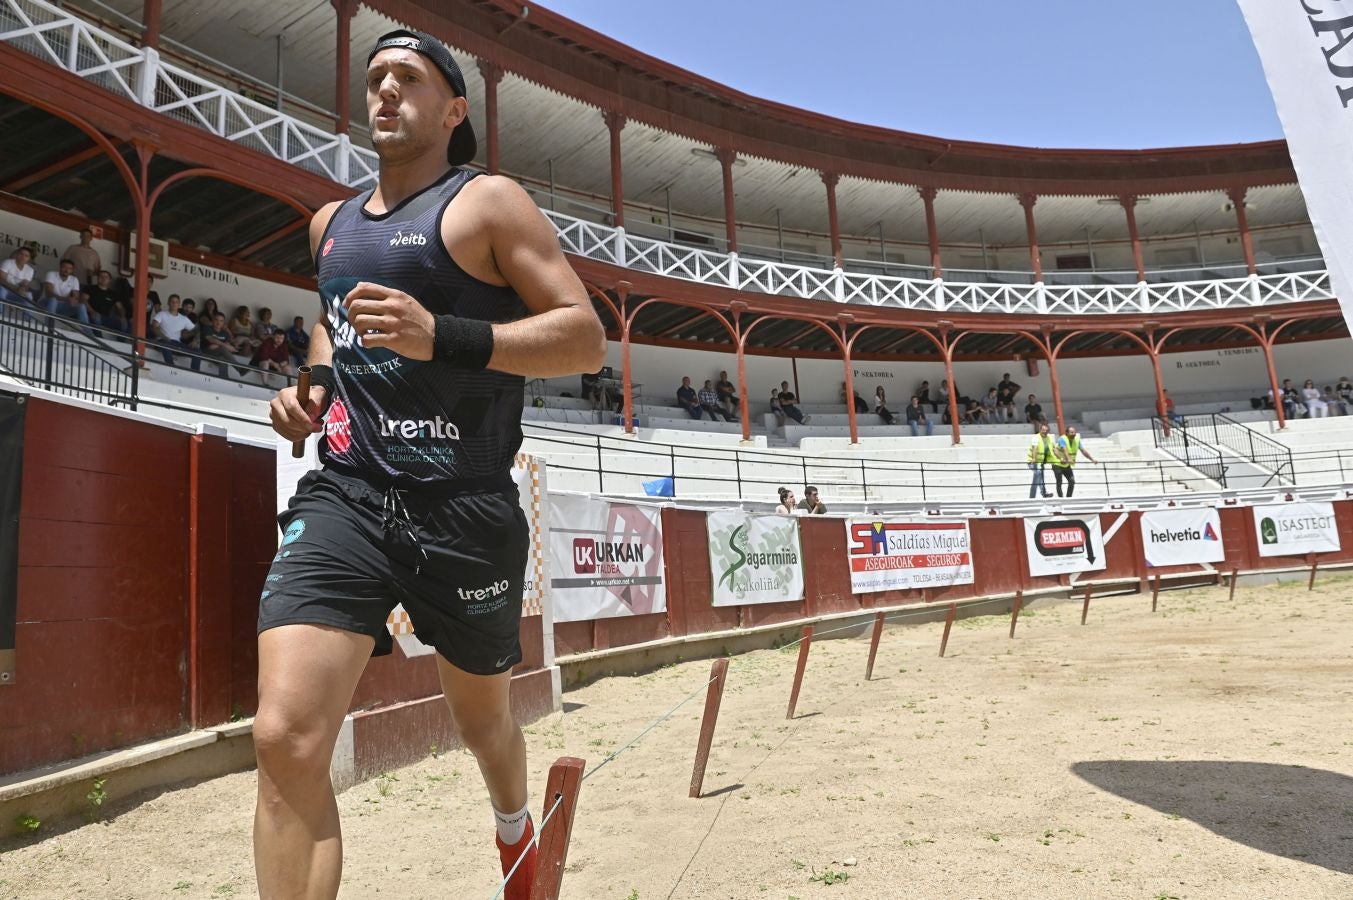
(1085, 607)
(804, 643)
(948, 623)
(718, 674)
(1235, 574)
(1155, 591)
(566, 777)
(1014, 611)
(874, 646)
(1314, 561)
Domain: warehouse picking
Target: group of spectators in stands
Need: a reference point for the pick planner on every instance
(82, 290)
(996, 407)
(811, 504)
(1311, 402)
(715, 399)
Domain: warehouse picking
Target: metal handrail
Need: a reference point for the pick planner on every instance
(1189, 448)
(1244, 442)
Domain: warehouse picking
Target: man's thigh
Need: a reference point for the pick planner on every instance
(306, 677)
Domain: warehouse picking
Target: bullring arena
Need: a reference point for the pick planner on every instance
(951, 680)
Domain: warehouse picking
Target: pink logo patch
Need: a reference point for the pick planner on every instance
(328, 245)
(337, 428)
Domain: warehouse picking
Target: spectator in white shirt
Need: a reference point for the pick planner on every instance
(16, 277)
(170, 325)
(1316, 407)
(61, 291)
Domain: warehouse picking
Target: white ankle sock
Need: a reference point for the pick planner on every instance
(511, 826)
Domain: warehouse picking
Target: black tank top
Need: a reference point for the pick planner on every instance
(395, 420)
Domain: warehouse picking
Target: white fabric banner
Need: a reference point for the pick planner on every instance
(1295, 529)
(1306, 47)
(1182, 537)
(605, 559)
(902, 554)
(754, 559)
(1059, 545)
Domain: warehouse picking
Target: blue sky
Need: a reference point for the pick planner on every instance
(1050, 73)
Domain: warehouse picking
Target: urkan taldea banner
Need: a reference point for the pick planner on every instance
(903, 554)
(1306, 47)
(605, 558)
(12, 409)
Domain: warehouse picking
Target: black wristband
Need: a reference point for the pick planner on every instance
(462, 343)
(322, 376)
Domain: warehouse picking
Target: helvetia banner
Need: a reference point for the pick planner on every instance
(754, 559)
(12, 409)
(903, 554)
(1306, 47)
(1063, 544)
(1182, 537)
(605, 558)
(1295, 529)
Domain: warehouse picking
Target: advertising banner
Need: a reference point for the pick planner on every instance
(754, 559)
(903, 554)
(1064, 544)
(12, 408)
(1295, 529)
(1308, 60)
(1182, 537)
(605, 558)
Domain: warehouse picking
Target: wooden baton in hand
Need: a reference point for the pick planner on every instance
(303, 398)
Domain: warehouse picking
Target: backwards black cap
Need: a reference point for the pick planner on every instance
(463, 144)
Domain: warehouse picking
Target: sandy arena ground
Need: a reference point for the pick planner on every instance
(1205, 751)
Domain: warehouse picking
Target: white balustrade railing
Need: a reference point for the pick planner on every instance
(62, 39)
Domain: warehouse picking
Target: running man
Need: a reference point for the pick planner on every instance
(440, 291)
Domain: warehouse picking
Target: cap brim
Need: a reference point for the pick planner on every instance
(463, 145)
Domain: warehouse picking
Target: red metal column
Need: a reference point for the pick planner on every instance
(492, 73)
(1052, 376)
(830, 179)
(344, 11)
(1160, 382)
(150, 23)
(1027, 201)
(1237, 195)
(141, 275)
(626, 375)
(726, 159)
(945, 327)
(744, 414)
(846, 343)
(615, 123)
(1267, 346)
(932, 232)
(1130, 208)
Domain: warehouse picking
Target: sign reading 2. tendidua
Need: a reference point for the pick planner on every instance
(606, 558)
(902, 554)
(1295, 529)
(754, 559)
(1063, 544)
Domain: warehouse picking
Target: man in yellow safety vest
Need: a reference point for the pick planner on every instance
(1042, 451)
(1064, 459)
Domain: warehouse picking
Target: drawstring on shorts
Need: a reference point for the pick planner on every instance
(396, 516)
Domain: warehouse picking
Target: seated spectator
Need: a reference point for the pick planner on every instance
(217, 343)
(923, 394)
(787, 403)
(916, 418)
(1332, 402)
(992, 407)
(189, 309)
(241, 327)
(972, 412)
(298, 341)
(265, 327)
(776, 408)
(728, 395)
(170, 327)
(152, 310)
(1033, 413)
(786, 507)
(1316, 408)
(687, 398)
(62, 295)
(1344, 391)
(944, 393)
(593, 391)
(709, 402)
(84, 257)
(881, 406)
(1174, 417)
(16, 277)
(272, 356)
(810, 503)
(861, 405)
(109, 311)
(125, 293)
(209, 311)
(1291, 399)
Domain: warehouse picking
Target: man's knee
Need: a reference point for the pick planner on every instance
(291, 746)
(485, 732)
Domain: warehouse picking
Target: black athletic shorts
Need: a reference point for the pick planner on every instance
(454, 556)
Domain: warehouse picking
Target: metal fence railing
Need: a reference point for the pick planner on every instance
(1190, 448)
(1227, 434)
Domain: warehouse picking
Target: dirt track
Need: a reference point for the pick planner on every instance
(1205, 751)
